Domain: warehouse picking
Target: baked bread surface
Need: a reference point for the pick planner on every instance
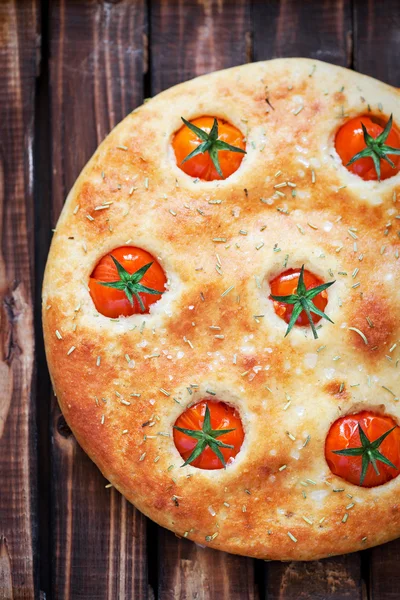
(121, 384)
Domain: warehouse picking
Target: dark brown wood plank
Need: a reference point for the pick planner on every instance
(43, 234)
(320, 30)
(336, 578)
(384, 571)
(376, 39)
(19, 36)
(376, 52)
(190, 38)
(96, 78)
(188, 571)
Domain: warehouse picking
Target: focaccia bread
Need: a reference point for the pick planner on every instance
(122, 383)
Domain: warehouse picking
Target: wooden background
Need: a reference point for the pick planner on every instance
(69, 71)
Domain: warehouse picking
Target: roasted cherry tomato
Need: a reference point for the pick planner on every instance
(126, 281)
(364, 448)
(223, 146)
(208, 434)
(286, 284)
(350, 141)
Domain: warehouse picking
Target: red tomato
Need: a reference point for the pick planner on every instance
(350, 140)
(114, 303)
(286, 284)
(201, 166)
(344, 434)
(222, 417)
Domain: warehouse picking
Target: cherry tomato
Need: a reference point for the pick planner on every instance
(222, 417)
(112, 302)
(350, 140)
(202, 166)
(286, 284)
(344, 434)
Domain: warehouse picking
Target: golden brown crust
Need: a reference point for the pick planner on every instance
(336, 223)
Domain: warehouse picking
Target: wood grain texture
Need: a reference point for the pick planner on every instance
(96, 78)
(188, 571)
(376, 52)
(190, 39)
(377, 39)
(18, 468)
(320, 30)
(337, 578)
(384, 572)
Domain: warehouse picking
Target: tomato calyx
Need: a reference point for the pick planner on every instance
(129, 283)
(302, 301)
(210, 144)
(369, 452)
(376, 148)
(207, 437)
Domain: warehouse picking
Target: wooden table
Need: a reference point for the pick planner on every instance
(69, 71)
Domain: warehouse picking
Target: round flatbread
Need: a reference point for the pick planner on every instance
(122, 383)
